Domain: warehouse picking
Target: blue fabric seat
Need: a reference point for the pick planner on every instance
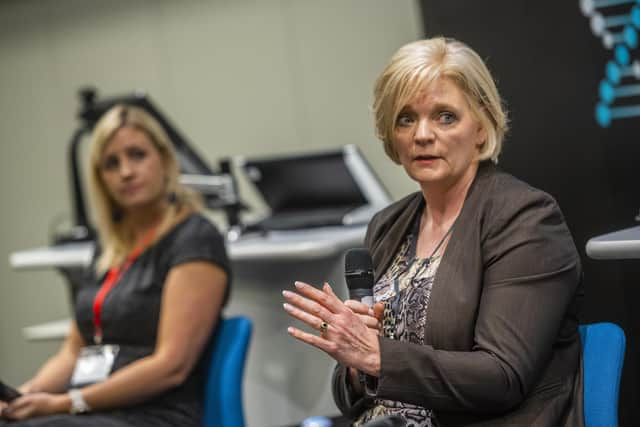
(603, 346)
(223, 389)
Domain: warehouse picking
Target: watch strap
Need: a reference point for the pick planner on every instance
(78, 404)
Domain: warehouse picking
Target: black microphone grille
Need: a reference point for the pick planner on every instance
(357, 259)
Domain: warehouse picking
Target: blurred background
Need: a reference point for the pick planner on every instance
(242, 77)
(274, 77)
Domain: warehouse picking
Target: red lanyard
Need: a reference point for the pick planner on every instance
(114, 274)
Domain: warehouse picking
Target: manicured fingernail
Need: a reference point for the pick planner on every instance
(286, 306)
(298, 285)
(290, 330)
(286, 294)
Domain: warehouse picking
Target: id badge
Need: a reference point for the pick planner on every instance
(94, 364)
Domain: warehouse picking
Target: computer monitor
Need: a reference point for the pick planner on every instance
(334, 187)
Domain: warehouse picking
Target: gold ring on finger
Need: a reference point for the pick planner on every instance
(323, 327)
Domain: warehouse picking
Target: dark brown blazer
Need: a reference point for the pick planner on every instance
(501, 338)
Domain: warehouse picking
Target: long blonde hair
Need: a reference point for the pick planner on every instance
(116, 235)
(415, 65)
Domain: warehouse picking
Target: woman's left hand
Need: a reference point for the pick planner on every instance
(350, 338)
(36, 405)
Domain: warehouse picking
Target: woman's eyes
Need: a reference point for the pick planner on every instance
(443, 117)
(446, 117)
(110, 163)
(404, 120)
(137, 154)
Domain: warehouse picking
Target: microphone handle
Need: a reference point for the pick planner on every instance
(365, 296)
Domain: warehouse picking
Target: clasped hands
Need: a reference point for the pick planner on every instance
(348, 330)
(34, 403)
(31, 405)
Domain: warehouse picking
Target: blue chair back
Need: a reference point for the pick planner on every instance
(223, 388)
(603, 346)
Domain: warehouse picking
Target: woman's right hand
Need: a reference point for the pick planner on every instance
(370, 316)
(349, 338)
(23, 389)
(35, 405)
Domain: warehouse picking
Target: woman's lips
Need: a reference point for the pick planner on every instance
(425, 159)
(130, 189)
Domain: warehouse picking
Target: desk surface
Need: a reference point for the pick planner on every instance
(55, 330)
(622, 244)
(307, 244)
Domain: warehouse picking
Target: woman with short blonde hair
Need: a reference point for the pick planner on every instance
(418, 64)
(476, 278)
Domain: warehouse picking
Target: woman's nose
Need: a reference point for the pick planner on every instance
(423, 133)
(126, 169)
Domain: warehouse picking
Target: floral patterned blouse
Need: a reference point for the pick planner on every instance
(405, 290)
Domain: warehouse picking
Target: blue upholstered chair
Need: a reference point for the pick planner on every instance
(603, 346)
(223, 389)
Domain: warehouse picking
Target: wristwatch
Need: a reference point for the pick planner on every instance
(78, 404)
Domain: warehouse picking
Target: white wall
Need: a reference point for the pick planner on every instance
(237, 77)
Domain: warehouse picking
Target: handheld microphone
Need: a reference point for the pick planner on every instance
(358, 273)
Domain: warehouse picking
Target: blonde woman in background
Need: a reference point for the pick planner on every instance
(150, 300)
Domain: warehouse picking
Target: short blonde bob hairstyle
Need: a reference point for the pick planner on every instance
(116, 235)
(418, 64)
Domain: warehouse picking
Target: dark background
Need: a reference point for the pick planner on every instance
(548, 65)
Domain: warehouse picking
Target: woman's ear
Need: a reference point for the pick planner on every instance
(482, 135)
(483, 121)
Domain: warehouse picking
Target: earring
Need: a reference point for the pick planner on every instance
(117, 215)
(172, 197)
